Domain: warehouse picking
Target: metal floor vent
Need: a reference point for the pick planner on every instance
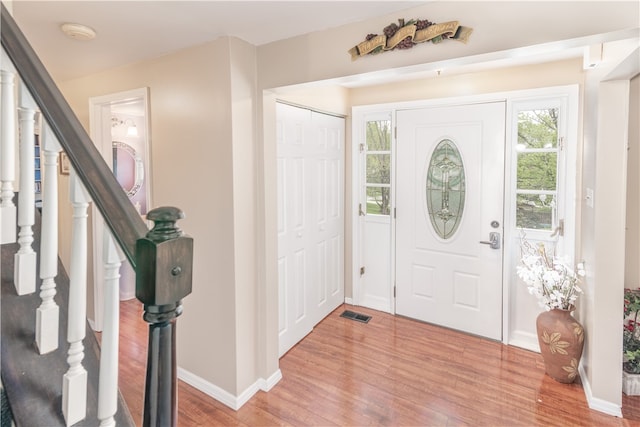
(356, 316)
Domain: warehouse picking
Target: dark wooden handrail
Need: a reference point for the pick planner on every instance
(117, 210)
(162, 257)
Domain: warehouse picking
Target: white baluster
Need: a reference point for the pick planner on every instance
(74, 389)
(7, 156)
(108, 385)
(24, 278)
(47, 315)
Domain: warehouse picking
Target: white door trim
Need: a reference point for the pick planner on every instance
(566, 98)
(100, 131)
(379, 302)
(572, 91)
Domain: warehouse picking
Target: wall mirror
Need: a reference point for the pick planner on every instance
(128, 167)
(129, 154)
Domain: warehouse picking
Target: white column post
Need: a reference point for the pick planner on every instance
(25, 259)
(74, 388)
(47, 316)
(7, 156)
(108, 385)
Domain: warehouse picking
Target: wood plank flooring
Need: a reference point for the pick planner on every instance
(392, 371)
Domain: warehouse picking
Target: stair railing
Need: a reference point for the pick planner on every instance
(162, 257)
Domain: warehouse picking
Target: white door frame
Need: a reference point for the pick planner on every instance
(571, 91)
(385, 302)
(566, 98)
(100, 131)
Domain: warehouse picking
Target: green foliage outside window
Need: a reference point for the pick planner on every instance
(537, 168)
(379, 135)
(378, 168)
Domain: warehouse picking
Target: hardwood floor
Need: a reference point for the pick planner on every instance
(391, 371)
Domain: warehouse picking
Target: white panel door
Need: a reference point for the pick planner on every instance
(327, 207)
(294, 226)
(310, 220)
(444, 273)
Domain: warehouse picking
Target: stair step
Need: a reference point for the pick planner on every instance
(33, 382)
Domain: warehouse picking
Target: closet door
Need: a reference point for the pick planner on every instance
(327, 207)
(310, 220)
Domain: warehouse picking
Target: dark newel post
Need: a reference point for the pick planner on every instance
(164, 261)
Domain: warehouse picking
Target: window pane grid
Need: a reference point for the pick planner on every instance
(378, 200)
(535, 211)
(537, 150)
(378, 168)
(377, 173)
(537, 168)
(537, 192)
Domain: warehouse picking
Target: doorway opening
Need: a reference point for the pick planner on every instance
(119, 127)
(432, 211)
(310, 159)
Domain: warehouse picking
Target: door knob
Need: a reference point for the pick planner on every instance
(494, 240)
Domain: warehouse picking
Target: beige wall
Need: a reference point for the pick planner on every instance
(243, 115)
(205, 115)
(605, 127)
(322, 56)
(192, 161)
(546, 74)
(632, 252)
(498, 27)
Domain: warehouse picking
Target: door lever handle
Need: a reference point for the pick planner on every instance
(559, 230)
(494, 240)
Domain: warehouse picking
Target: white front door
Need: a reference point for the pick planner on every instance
(310, 219)
(449, 200)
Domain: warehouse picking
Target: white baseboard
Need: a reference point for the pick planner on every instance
(126, 296)
(223, 396)
(92, 324)
(525, 340)
(595, 403)
(269, 383)
(375, 303)
(348, 301)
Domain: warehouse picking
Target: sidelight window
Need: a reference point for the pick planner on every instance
(537, 168)
(378, 167)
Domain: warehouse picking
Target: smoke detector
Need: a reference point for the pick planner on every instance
(78, 31)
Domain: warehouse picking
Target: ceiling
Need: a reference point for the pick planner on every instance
(131, 31)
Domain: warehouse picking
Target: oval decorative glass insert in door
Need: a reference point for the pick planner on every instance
(445, 189)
